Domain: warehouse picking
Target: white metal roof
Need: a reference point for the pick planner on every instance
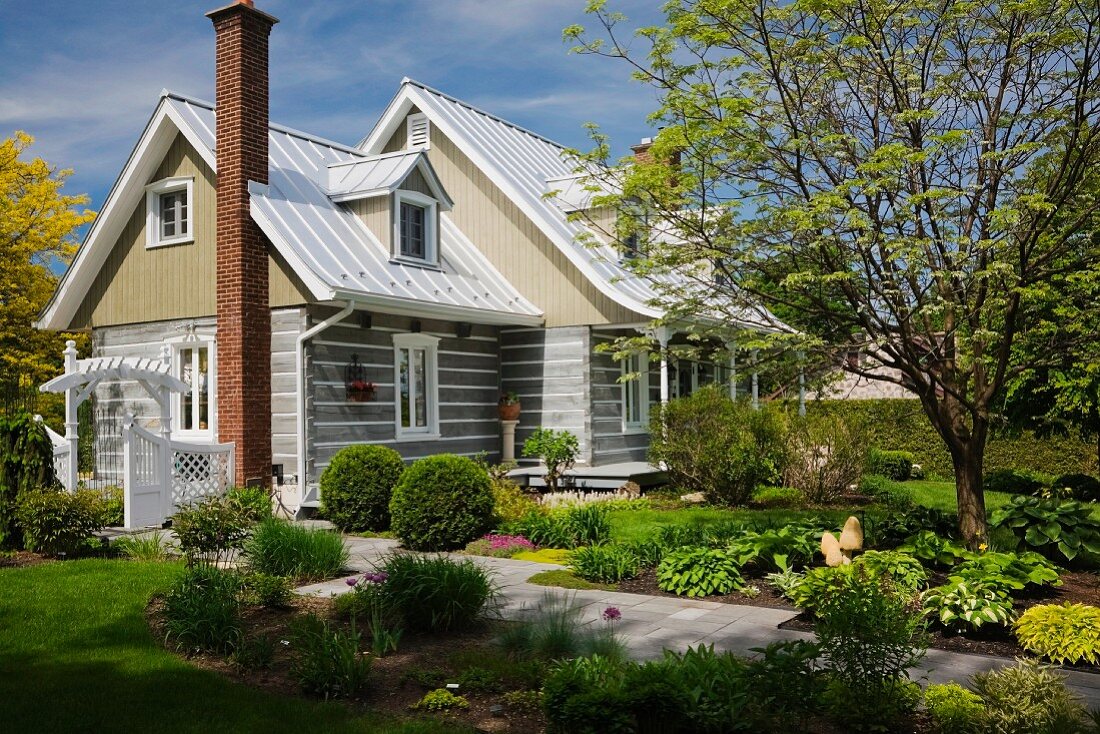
(526, 166)
(378, 175)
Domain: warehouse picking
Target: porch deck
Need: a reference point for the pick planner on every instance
(607, 476)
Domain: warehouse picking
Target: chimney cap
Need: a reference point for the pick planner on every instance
(241, 5)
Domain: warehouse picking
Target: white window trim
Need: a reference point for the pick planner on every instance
(430, 345)
(192, 342)
(412, 120)
(153, 193)
(431, 228)
(642, 380)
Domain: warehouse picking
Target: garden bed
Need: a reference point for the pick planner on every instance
(768, 596)
(393, 686)
(1077, 587)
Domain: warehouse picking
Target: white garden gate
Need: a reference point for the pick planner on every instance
(159, 472)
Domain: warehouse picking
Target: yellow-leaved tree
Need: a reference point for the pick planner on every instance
(38, 225)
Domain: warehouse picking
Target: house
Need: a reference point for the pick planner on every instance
(314, 294)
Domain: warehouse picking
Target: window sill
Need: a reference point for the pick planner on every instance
(169, 243)
(409, 437)
(634, 430)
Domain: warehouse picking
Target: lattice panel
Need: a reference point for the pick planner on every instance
(198, 474)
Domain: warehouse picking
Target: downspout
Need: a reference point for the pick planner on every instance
(300, 379)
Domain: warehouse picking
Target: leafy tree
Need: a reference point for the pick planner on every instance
(37, 233)
(912, 178)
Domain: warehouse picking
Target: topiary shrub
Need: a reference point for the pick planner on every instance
(714, 445)
(357, 485)
(442, 503)
(895, 465)
(1013, 481)
(1083, 487)
(56, 522)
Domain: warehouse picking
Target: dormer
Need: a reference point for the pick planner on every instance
(399, 197)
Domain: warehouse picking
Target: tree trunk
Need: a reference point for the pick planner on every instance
(968, 462)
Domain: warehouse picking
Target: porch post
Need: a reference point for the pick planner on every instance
(71, 421)
(732, 347)
(801, 385)
(755, 382)
(662, 336)
(167, 459)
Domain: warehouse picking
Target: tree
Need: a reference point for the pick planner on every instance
(914, 178)
(37, 233)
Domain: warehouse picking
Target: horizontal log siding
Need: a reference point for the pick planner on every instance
(548, 369)
(286, 325)
(469, 385)
(611, 444)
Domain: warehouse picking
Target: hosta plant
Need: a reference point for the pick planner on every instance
(1062, 633)
(776, 549)
(966, 605)
(1009, 571)
(934, 549)
(698, 572)
(905, 570)
(1059, 529)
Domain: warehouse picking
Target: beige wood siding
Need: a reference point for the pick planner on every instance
(137, 285)
(513, 243)
(375, 213)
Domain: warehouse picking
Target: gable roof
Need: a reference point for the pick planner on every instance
(327, 246)
(527, 167)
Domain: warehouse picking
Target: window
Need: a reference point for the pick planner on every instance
(418, 130)
(415, 227)
(416, 392)
(632, 222)
(194, 409)
(635, 392)
(169, 212)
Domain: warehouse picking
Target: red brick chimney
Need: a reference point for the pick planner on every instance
(244, 317)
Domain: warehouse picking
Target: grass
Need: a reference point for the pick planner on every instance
(630, 525)
(566, 580)
(77, 656)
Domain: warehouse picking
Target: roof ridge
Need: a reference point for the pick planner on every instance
(270, 125)
(474, 108)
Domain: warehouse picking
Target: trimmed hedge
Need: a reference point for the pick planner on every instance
(901, 425)
(895, 465)
(357, 485)
(442, 503)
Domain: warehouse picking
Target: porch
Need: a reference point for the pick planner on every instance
(605, 477)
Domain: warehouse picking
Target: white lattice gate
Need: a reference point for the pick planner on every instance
(162, 474)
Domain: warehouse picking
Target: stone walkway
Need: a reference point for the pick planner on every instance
(651, 624)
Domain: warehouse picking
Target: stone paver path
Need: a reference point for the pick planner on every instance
(651, 624)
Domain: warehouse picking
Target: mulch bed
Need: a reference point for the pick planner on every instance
(388, 691)
(22, 559)
(996, 640)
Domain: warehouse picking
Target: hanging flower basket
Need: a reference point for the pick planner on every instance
(360, 391)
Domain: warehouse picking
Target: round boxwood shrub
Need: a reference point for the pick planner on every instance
(442, 503)
(357, 485)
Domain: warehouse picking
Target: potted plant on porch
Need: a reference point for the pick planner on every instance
(508, 407)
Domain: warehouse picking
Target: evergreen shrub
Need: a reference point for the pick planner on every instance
(357, 486)
(442, 503)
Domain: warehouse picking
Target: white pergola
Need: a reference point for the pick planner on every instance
(82, 376)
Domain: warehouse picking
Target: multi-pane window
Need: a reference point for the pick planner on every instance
(416, 393)
(412, 231)
(170, 212)
(635, 387)
(195, 408)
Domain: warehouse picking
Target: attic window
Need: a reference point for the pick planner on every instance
(419, 131)
(415, 225)
(169, 212)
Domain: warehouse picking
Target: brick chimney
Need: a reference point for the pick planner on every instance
(244, 317)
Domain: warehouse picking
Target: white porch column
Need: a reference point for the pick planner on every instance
(755, 382)
(801, 385)
(662, 337)
(732, 347)
(71, 420)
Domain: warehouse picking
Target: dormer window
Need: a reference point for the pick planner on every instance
(419, 131)
(633, 222)
(169, 212)
(415, 227)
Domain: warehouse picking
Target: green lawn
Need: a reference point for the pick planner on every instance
(941, 495)
(76, 656)
(628, 525)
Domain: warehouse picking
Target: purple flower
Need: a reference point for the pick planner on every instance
(351, 581)
(611, 614)
(376, 577)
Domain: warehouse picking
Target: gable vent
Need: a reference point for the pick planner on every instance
(419, 131)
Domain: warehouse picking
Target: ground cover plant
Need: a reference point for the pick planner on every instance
(1062, 530)
(1061, 633)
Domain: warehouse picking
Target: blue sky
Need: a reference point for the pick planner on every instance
(83, 77)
